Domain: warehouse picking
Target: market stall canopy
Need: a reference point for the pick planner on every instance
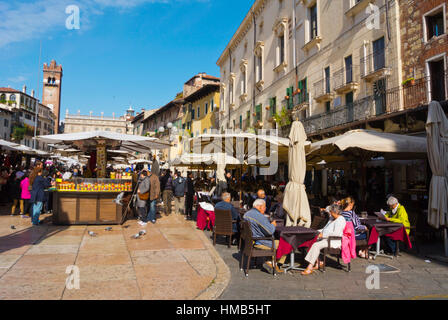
(118, 141)
(242, 146)
(8, 145)
(205, 161)
(352, 144)
(135, 161)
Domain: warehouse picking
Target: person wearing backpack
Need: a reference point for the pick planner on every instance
(180, 188)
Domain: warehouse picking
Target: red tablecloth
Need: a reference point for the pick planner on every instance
(205, 219)
(293, 239)
(399, 234)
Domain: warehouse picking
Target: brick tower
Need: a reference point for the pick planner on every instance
(51, 93)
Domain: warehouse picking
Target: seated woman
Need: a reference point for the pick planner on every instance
(349, 214)
(334, 228)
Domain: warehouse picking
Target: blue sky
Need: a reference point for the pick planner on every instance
(126, 52)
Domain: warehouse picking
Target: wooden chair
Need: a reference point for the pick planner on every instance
(334, 251)
(413, 218)
(223, 225)
(250, 251)
(364, 244)
(318, 222)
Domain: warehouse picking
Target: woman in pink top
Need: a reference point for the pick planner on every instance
(25, 195)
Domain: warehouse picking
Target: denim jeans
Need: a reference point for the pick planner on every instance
(152, 210)
(391, 243)
(37, 208)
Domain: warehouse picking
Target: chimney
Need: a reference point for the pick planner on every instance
(24, 89)
(32, 93)
(102, 114)
(79, 112)
(90, 114)
(113, 115)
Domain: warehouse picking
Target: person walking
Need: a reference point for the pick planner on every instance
(14, 192)
(25, 196)
(38, 195)
(180, 188)
(142, 197)
(167, 194)
(154, 194)
(189, 196)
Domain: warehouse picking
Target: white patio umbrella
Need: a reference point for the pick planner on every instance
(8, 145)
(296, 201)
(437, 136)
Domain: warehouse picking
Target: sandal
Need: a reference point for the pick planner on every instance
(321, 265)
(306, 272)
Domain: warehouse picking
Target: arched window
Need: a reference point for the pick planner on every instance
(2, 97)
(12, 97)
(49, 80)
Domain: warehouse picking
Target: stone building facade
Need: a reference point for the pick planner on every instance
(425, 47)
(83, 123)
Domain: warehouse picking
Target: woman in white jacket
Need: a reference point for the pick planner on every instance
(334, 228)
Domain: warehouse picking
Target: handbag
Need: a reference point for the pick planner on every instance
(143, 196)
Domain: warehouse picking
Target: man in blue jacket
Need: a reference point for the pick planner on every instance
(226, 205)
(179, 189)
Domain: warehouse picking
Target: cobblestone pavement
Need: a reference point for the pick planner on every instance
(172, 261)
(416, 279)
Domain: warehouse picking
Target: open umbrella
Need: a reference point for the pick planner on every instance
(437, 136)
(296, 201)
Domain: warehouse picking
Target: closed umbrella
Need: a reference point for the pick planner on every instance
(437, 136)
(296, 201)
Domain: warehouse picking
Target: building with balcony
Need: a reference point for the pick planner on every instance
(200, 110)
(348, 67)
(26, 113)
(257, 68)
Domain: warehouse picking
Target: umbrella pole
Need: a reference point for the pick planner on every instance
(363, 183)
(241, 184)
(445, 239)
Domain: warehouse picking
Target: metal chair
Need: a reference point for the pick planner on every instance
(223, 225)
(364, 244)
(250, 251)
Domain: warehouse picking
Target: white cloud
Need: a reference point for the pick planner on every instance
(18, 79)
(23, 21)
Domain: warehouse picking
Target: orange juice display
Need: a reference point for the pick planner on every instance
(94, 185)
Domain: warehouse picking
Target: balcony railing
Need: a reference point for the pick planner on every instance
(322, 88)
(373, 63)
(344, 79)
(359, 110)
(301, 98)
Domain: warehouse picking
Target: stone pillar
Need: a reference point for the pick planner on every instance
(101, 159)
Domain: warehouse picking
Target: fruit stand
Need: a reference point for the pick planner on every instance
(88, 201)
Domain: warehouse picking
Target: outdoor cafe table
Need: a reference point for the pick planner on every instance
(292, 238)
(392, 230)
(205, 218)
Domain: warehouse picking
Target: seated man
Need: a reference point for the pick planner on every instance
(226, 205)
(261, 227)
(396, 214)
(262, 195)
(277, 209)
(334, 228)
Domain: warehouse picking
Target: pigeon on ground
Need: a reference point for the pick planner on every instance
(136, 236)
(142, 232)
(108, 229)
(13, 227)
(92, 234)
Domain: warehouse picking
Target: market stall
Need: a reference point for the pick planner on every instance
(92, 201)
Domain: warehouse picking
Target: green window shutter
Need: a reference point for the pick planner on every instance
(258, 112)
(241, 122)
(289, 92)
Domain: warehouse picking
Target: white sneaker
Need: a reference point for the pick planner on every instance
(143, 224)
(140, 222)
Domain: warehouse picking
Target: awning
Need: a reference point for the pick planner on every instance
(350, 146)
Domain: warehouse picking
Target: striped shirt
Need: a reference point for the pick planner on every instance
(353, 217)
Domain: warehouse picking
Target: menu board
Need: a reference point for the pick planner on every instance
(94, 185)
